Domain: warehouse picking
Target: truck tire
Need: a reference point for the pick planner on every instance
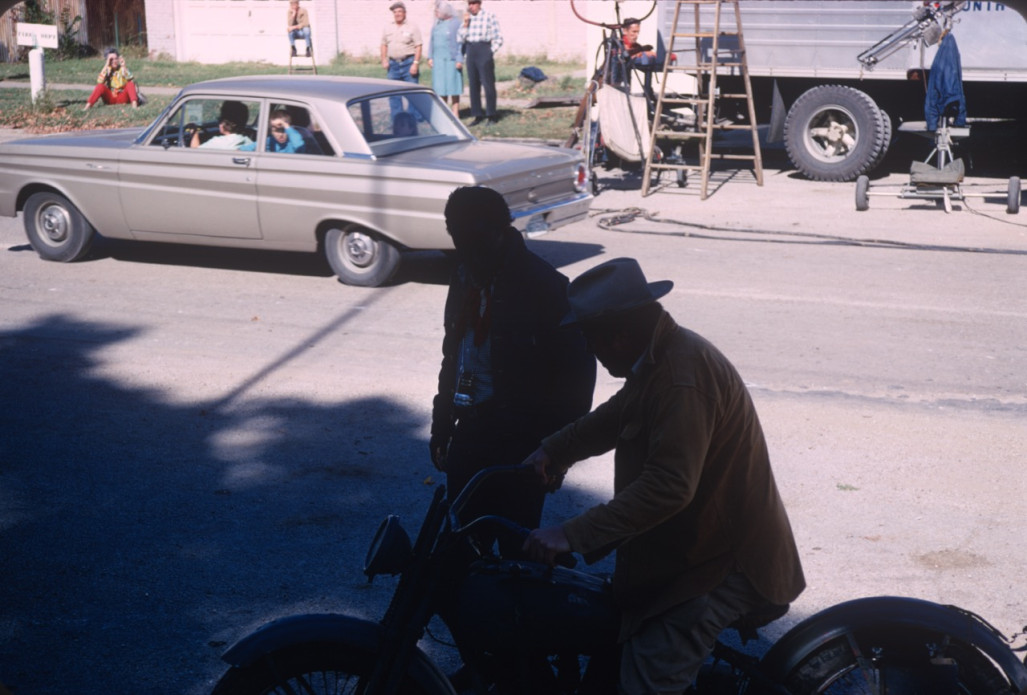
(888, 133)
(835, 133)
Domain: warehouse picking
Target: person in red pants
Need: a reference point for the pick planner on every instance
(114, 84)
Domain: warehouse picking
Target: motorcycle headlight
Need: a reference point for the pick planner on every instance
(390, 550)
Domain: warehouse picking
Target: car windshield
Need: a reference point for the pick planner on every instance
(402, 122)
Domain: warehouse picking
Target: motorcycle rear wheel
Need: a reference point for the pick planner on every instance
(895, 664)
(312, 669)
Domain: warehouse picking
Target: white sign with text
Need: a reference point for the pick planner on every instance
(38, 35)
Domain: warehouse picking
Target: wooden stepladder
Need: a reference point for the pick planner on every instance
(301, 63)
(716, 52)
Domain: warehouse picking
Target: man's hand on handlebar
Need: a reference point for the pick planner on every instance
(545, 544)
(545, 469)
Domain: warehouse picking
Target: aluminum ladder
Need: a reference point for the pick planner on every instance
(715, 50)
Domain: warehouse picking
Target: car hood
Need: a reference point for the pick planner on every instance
(115, 139)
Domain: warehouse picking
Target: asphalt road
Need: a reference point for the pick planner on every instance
(194, 441)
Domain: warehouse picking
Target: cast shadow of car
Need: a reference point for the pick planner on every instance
(436, 267)
(421, 267)
(256, 260)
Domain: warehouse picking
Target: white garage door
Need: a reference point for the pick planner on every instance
(217, 31)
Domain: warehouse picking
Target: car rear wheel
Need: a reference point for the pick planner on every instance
(360, 257)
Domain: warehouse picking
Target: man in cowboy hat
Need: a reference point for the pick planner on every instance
(701, 534)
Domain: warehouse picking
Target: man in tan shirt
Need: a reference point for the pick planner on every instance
(401, 46)
(298, 22)
(701, 533)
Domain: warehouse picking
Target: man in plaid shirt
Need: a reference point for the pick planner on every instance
(480, 38)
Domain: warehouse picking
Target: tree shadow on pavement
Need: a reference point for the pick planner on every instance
(140, 537)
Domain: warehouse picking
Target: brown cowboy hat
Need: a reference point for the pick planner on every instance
(610, 288)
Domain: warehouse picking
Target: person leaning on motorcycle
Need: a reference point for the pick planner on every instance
(510, 374)
(701, 533)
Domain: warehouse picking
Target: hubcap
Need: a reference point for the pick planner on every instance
(54, 223)
(360, 249)
(832, 135)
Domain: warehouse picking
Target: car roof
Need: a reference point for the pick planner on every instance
(300, 86)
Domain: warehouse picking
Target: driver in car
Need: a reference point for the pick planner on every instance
(231, 125)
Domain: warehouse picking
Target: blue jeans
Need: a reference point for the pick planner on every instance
(400, 70)
(303, 33)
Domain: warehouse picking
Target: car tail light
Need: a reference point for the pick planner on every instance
(581, 178)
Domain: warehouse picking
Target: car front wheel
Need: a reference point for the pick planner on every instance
(360, 257)
(56, 229)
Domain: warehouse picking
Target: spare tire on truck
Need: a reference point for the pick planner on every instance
(835, 133)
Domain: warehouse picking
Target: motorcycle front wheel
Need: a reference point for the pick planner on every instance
(895, 664)
(311, 669)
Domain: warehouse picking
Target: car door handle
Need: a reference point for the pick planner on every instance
(242, 161)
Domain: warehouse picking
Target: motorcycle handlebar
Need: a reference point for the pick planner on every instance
(564, 560)
(475, 482)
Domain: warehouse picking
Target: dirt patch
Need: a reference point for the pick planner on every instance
(951, 560)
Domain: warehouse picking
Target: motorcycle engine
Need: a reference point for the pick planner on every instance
(504, 605)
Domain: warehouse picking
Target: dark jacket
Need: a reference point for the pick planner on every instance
(945, 85)
(544, 375)
(694, 494)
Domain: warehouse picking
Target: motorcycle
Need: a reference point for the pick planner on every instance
(521, 627)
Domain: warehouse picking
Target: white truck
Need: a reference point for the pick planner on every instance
(834, 79)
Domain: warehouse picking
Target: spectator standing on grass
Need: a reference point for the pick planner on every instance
(444, 57)
(481, 38)
(401, 46)
(299, 26)
(114, 84)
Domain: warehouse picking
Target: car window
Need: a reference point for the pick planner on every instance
(398, 123)
(211, 124)
(292, 129)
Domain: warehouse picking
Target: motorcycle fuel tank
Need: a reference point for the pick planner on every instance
(503, 605)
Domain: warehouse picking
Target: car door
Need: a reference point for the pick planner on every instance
(174, 186)
(298, 176)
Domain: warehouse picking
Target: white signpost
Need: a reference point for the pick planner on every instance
(39, 36)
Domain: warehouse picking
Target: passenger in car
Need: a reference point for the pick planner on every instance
(283, 137)
(404, 124)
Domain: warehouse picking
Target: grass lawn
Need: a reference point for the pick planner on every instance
(61, 110)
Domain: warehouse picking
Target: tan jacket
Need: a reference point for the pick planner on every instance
(694, 494)
(302, 19)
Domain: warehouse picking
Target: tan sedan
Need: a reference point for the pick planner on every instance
(357, 169)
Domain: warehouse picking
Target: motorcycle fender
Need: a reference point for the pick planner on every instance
(893, 613)
(344, 630)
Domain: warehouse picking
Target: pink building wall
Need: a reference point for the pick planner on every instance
(215, 31)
